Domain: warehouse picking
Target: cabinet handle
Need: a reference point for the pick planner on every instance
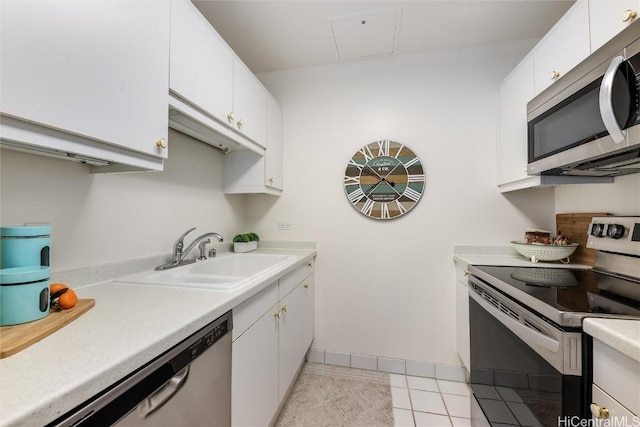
(598, 412)
(161, 143)
(276, 314)
(239, 123)
(230, 117)
(629, 15)
(306, 286)
(555, 75)
(283, 308)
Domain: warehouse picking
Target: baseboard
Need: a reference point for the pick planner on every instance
(386, 364)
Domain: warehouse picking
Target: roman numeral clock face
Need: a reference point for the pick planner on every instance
(384, 180)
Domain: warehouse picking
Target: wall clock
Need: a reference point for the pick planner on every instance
(384, 180)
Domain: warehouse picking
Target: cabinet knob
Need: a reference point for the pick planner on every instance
(466, 273)
(283, 308)
(598, 412)
(309, 266)
(230, 117)
(239, 123)
(306, 286)
(276, 314)
(271, 181)
(161, 143)
(629, 15)
(555, 75)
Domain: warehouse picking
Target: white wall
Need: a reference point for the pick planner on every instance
(102, 218)
(386, 288)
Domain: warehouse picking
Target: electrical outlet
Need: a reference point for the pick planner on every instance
(284, 225)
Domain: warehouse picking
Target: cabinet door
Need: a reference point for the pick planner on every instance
(515, 91)
(97, 69)
(291, 333)
(249, 104)
(608, 17)
(254, 378)
(309, 312)
(563, 47)
(201, 62)
(273, 153)
(462, 323)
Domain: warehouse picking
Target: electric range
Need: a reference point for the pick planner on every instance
(530, 360)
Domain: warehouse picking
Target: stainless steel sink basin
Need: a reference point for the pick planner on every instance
(226, 272)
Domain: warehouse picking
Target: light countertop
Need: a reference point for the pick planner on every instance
(621, 334)
(502, 255)
(128, 326)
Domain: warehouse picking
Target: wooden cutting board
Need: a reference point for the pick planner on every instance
(18, 337)
(575, 226)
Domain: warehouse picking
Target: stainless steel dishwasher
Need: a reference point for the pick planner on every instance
(189, 385)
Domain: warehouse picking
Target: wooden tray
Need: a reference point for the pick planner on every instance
(18, 337)
(575, 226)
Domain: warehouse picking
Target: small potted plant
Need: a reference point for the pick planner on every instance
(245, 242)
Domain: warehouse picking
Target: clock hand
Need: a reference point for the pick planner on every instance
(373, 188)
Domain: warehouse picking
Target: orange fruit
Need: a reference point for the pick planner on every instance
(55, 287)
(68, 299)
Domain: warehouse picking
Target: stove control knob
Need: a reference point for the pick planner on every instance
(597, 230)
(615, 231)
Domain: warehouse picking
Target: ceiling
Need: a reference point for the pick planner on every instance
(280, 35)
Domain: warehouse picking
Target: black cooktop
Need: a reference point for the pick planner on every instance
(567, 290)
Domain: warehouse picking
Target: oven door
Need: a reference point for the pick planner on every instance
(524, 370)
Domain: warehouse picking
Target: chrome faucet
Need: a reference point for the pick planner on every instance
(179, 253)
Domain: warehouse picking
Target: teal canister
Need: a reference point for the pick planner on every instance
(24, 294)
(25, 246)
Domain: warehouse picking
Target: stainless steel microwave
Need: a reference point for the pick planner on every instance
(588, 122)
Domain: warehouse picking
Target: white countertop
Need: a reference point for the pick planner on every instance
(502, 255)
(128, 326)
(621, 334)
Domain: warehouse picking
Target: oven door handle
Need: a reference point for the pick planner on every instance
(525, 333)
(606, 101)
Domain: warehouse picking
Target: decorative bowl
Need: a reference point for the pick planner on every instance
(541, 252)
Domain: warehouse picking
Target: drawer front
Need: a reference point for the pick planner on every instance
(247, 313)
(617, 374)
(618, 415)
(293, 279)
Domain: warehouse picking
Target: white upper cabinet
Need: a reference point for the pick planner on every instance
(86, 78)
(201, 62)
(212, 95)
(564, 46)
(514, 93)
(246, 172)
(608, 17)
(249, 104)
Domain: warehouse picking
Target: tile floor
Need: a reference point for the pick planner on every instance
(419, 401)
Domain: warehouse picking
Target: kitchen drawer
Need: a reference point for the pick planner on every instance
(617, 374)
(247, 313)
(293, 279)
(618, 414)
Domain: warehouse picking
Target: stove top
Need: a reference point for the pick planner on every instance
(562, 295)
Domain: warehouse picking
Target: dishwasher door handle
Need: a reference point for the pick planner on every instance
(161, 396)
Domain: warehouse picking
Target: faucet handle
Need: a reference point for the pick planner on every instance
(179, 244)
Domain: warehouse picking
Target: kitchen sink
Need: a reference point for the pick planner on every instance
(225, 272)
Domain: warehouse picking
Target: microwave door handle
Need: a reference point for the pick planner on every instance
(606, 102)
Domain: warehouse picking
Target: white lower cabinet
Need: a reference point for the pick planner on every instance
(272, 332)
(616, 394)
(462, 315)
